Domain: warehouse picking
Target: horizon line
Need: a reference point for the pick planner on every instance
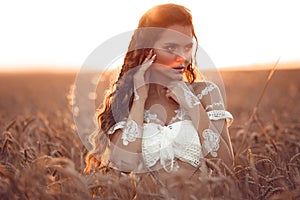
(46, 68)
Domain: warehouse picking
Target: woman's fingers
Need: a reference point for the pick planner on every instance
(147, 62)
(148, 57)
(150, 54)
(142, 77)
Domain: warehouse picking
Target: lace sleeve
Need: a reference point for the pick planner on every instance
(211, 141)
(211, 99)
(117, 126)
(130, 131)
(220, 114)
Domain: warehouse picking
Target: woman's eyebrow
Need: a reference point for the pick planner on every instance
(170, 43)
(173, 43)
(190, 44)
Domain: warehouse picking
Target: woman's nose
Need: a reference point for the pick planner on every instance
(180, 59)
(180, 56)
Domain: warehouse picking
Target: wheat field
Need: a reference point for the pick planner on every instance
(42, 156)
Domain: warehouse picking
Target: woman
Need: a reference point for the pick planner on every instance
(157, 116)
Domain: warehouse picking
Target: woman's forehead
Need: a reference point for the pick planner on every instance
(176, 34)
(180, 29)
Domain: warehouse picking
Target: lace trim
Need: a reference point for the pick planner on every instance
(190, 98)
(149, 116)
(166, 145)
(180, 114)
(220, 114)
(220, 103)
(211, 142)
(117, 126)
(206, 90)
(131, 131)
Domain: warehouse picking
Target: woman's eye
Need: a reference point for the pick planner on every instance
(171, 48)
(188, 48)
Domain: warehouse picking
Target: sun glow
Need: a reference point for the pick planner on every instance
(56, 35)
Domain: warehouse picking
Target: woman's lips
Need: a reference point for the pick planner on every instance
(179, 69)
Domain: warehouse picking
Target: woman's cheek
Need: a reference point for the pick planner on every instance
(164, 58)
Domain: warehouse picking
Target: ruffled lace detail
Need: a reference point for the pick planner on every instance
(131, 131)
(149, 117)
(117, 126)
(211, 141)
(181, 114)
(206, 90)
(180, 139)
(220, 114)
(211, 106)
(166, 143)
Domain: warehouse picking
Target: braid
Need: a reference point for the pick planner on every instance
(118, 103)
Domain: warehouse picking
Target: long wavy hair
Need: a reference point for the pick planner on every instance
(117, 103)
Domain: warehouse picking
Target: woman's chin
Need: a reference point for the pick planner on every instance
(178, 77)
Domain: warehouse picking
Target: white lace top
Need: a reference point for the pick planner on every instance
(179, 139)
(165, 143)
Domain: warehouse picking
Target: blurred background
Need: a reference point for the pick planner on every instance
(53, 39)
(43, 44)
(60, 35)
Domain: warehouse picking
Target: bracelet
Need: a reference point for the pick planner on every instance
(131, 131)
(211, 141)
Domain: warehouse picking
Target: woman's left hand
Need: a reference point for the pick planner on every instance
(182, 94)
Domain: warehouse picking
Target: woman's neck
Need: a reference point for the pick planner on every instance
(158, 103)
(157, 91)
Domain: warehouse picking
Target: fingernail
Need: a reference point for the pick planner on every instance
(151, 51)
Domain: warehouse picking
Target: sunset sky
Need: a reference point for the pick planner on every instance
(62, 34)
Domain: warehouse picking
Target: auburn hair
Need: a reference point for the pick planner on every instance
(117, 103)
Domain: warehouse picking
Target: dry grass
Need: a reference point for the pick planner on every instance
(42, 156)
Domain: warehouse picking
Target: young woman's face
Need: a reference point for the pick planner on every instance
(173, 51)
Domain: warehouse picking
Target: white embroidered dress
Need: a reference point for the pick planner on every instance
(179, 139)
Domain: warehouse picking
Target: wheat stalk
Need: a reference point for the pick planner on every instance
(254, 112)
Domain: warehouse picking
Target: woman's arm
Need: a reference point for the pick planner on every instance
(128, 157)
(126, 151)
(207, 98)
(211, 100)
